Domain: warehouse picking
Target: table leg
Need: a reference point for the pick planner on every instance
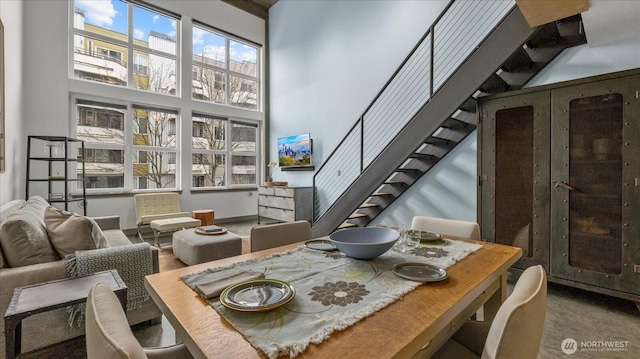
(122, 296)
(495, 301)
(13, 337)
(156, 235)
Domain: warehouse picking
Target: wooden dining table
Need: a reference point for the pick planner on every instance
(414, 326)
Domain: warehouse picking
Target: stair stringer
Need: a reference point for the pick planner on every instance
(506, 38)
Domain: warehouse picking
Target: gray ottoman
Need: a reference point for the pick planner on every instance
(193, 248)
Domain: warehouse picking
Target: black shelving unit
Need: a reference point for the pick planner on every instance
(57, 176)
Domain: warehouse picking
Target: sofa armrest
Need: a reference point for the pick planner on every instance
(12, 278)
(108, 222)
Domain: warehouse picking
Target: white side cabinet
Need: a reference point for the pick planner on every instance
(285, 204)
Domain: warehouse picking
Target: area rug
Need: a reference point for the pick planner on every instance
(333, 292)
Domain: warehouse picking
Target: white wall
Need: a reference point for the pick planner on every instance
(584, 61)
(11, 183)
(39, 66)
(329, 61)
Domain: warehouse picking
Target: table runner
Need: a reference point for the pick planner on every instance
(333, 292)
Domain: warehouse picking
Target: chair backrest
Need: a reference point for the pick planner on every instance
(274, 235)
(452, 227)
(156, 203)
(107, 331)
(516, 331)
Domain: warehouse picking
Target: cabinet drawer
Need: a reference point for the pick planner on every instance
(276, 191)
(276, 213)
(283, 191)
(269, 191)
(279, 202)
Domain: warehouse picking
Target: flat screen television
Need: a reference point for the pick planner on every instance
(294, 151)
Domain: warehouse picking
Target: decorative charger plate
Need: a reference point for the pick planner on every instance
(221, 231)
(430, 236)
(420, 272)
(257, 295)
(320, 245)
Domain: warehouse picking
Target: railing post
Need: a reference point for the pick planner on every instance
(361, 143)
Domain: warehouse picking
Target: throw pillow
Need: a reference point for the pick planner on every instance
(24, 240)
(70, 232)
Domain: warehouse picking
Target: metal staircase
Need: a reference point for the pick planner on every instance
(509, 56)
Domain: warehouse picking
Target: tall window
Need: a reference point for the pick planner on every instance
(101, 126)
(128, 108)
(219, 140)
(103, 47)
(152, 148)
(225, 70)
(243, 153)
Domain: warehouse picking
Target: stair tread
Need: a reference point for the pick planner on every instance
(407, 170)
(525, 62)
(423, 155)
(368, 205)
(381, 194)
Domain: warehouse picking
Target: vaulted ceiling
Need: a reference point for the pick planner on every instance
(259, 8)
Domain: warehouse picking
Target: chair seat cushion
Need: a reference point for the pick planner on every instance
(172, 224)
(145, 219)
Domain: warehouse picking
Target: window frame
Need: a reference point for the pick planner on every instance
(228, 152)
(180, 101)
(131, 45)
(227, 72)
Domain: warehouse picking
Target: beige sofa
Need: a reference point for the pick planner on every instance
(41, 264)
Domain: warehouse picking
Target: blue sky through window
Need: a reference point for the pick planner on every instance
(208, 44)
(112, 15)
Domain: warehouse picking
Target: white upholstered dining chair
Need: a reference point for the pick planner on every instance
(516, 331)
(452, 227)
(279, 234)
(108, 335)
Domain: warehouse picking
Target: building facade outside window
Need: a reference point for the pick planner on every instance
(225, 70)
(222, 139)
(132, 145)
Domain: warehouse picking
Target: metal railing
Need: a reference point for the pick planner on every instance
(79, 50)
(452, 38)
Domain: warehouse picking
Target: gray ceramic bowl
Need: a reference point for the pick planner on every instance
(364, 242)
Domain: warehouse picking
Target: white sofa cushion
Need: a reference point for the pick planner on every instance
(69, 232)
(24, 240)
(6, 210)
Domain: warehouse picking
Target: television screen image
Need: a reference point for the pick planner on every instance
(294, 151)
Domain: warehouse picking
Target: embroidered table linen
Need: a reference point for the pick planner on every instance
(333, 292)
